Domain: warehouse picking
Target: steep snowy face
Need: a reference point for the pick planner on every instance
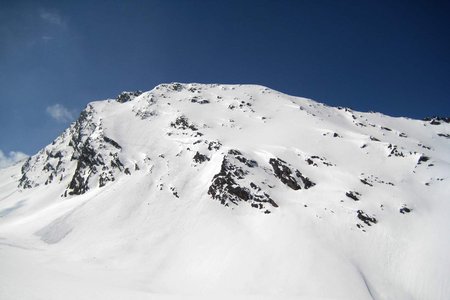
(84, 157)
(196, 123)
(153, 179)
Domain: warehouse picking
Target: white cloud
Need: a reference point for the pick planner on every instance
(52, 17)
(11, 158)
(60, 113)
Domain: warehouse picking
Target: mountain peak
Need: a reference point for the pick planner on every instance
(237, 175)
(127, 96)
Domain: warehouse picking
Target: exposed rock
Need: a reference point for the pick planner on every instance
(175, 86)
(316, 160)
(423, 158)
(353, 195)
(366, 218)
(248, 162)
(24, 181)
(96, 156)
(183, 123)
(214, 145)
(394, 151)
(196, 100)
(174, 192)
(309, 161)
(228, 186)
(112, 142)
(405, 210)
(425, 147)
(127, 96)
(291, 177)
(200, 158)
(365, 182)
(369, 180)
(437, 120)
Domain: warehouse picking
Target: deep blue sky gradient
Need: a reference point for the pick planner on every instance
(387, 56)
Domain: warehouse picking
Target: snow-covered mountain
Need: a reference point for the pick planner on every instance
(232, 191)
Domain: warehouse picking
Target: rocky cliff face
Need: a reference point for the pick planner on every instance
(83, 154)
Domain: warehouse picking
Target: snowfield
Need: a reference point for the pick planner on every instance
(193, 191)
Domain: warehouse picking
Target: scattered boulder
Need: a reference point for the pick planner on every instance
(424, 146)
(316, 160)
(394, 151)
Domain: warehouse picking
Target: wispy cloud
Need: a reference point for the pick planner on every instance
(60, 113)
(11, 158)
(46, 38)
(52, 17)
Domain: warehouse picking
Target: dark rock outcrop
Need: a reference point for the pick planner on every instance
(291, 177)
(183, 123)
(229, 187)
(405, 210)
(96, 157)
(127, 96)
(353, 195)
(200, 158)
(366, 218)
(394, 151)
(437, 120)
(423, 158)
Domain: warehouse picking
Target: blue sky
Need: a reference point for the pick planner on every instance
(56, 56)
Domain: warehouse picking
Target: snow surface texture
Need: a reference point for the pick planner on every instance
(229, 192)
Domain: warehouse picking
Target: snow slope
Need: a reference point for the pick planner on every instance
(229, 191)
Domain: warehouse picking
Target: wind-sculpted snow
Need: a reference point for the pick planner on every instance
(231, 191)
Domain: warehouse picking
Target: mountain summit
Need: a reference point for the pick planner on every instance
(208, 190)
